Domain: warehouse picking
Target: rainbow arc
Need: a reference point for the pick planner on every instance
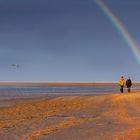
(121, 28)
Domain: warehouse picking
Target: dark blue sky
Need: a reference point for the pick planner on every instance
(66, 40)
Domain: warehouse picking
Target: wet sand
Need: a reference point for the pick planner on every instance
(108, 117)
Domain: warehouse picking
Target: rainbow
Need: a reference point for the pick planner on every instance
(120, 27)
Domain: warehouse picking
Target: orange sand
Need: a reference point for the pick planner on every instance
(108, 117)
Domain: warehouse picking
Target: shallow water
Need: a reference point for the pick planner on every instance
(58, 89)
(30, 92)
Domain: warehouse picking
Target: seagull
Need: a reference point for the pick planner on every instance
(15, 65)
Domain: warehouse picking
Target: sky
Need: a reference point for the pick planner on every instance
(66, 40)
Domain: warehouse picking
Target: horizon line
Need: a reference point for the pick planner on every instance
(63, 81)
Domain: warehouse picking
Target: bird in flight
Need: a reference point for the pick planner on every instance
(15, 65)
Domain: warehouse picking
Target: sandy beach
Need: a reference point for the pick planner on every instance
(108, 117)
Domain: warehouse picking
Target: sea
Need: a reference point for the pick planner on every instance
(13, 92)
(58, 90)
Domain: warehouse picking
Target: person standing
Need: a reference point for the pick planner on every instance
(128, 84)
(121, 84)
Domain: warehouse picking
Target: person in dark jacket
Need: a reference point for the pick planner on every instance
(128, 84)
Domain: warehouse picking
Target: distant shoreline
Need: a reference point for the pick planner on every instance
(61, 84)
(57, 84)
